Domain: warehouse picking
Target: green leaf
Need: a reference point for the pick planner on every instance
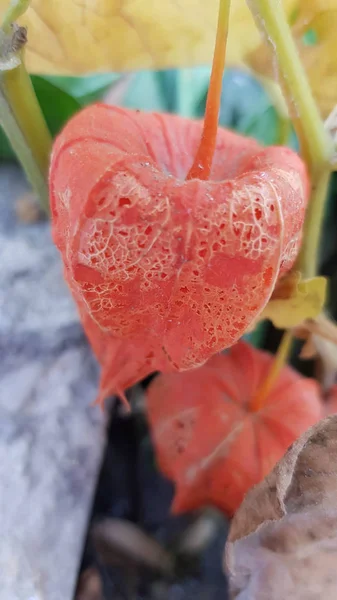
(167, 83)
(85, 89)
(310, 38)
(247, 108)
(56, 104)
(258, 336)
(6, 152)
(192, 91)
(263, 127)
(180, 91)
(145, 93)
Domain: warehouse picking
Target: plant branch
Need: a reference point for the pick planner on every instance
(202, 164)
(14, 11)
(20, 113)
(271, 19)
(281, 357)
(308, 258)
(316, 146)
(9, 123)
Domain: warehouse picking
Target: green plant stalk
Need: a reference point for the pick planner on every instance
(21, 116)
(283, 352)
(28, 113)
(278, 101)
(316, 146)
(15, 10)
(14, 133)
(308, 258)
(18, 100)
(284, 131)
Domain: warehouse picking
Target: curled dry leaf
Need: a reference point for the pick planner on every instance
(283, 539)
(89, 586)
(325, 353)
(9, 44)
(211, 437)
(323, 326)
(320, 337)
(167, 271)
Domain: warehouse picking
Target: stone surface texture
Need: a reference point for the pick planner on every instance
(51, 438)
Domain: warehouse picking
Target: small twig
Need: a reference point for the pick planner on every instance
(316, 145)
(280, 360)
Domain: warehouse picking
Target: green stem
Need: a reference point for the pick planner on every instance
(9, 123)
(19, 100)
(284, 131)
(270, 17)
(308, 258)
(281, 357)
(316, 145)
(14, 11)
(18, 88)
(20, 113)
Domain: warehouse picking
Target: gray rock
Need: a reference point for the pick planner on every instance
(51, 438)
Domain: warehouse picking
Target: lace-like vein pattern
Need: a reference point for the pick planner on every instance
(167, 272)
(207, 440)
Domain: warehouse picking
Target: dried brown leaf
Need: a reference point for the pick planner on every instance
(322, 325)
(199, 534)
(120, 542)
(286, 287)
(27, 209)
(320, 337)
(309, 350)
(89, 586)
(283, 539)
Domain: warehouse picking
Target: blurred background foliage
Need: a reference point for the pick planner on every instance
(246, 106)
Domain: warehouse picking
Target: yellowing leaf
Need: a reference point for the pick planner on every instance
(317, 19)
(73, 37)
(295, 300)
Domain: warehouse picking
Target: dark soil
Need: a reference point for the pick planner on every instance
(131, 488)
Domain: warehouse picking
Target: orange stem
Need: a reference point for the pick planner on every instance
(259, 400)
(202, 164)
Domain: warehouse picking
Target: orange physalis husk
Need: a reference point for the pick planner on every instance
(207, 438)
(167, 271)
